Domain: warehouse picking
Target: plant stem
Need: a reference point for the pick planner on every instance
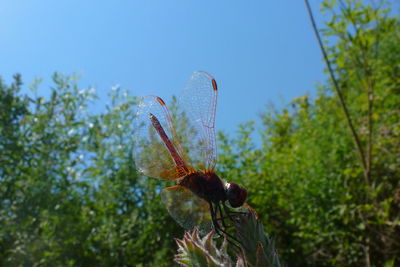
(340, 95)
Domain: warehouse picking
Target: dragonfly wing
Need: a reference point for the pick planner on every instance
(157, 151)
(199, 102)
(186, 208)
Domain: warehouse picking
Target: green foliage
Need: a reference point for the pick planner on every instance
(256, 249)
(196, 251)
(308, 182)
(70, 195)
(69, 192)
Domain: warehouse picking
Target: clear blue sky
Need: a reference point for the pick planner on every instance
(259, 51)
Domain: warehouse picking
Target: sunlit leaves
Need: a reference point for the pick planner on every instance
(69, 191)
(306, 182)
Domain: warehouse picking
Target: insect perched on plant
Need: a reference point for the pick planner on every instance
(183, 148)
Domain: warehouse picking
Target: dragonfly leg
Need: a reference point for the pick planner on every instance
(221, 216)
(231, 213)
(215, 220)
(230, 238)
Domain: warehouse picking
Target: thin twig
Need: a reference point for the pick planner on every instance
(366, 162)
(339, 93)
(370, 90)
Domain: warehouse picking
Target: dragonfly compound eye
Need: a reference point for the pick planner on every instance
(236, 194)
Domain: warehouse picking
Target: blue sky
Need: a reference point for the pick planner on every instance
(260, 52)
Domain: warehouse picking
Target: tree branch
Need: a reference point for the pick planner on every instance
(339, 93)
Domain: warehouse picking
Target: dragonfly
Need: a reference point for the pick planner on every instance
(180, 146)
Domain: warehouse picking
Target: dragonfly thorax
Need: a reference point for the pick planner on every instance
(211, 188)
(207, 186)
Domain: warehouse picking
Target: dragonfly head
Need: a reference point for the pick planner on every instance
(236, 194)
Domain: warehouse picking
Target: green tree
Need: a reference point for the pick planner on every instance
(69, 191)
(70, 195)
(327, 200)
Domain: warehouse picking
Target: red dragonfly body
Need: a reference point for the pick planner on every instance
(199, 196)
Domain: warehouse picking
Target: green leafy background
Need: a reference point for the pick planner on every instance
(70, 195)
